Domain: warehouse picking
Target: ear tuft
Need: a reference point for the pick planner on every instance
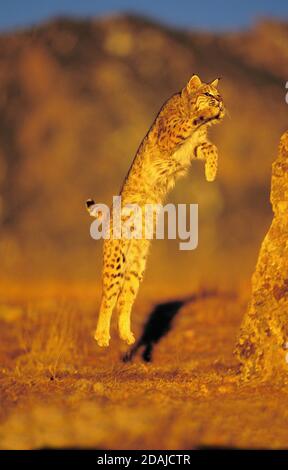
(193, 83)
(215, 82)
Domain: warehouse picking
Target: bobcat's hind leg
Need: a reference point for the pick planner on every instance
(137, 256)
(113, 276)
(102, 334)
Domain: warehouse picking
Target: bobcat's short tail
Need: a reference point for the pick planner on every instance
(91, 207)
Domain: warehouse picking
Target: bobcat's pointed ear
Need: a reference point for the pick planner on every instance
(215, 82)
(193, 83)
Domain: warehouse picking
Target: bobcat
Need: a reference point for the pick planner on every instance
(177, 136)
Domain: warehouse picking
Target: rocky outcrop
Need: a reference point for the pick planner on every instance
(263, 341)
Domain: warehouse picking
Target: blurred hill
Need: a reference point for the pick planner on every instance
(76, 99)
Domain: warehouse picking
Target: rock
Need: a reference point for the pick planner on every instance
(226, 389)
(263, 335)
(98, 388)
(83, 385)
(10, 313)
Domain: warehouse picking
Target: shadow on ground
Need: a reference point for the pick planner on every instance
(159, 323)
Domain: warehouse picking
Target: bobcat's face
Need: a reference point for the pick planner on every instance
(204, 102)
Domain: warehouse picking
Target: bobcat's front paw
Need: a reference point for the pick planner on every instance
(210, 170)
(102, 338)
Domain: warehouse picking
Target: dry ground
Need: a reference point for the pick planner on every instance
(58, 389)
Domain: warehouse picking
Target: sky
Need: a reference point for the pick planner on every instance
(201, 14)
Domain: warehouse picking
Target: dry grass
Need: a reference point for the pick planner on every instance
(47, 337)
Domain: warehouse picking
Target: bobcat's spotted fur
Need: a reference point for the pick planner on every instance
(177, 136)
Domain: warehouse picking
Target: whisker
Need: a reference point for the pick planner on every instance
(228, 113)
